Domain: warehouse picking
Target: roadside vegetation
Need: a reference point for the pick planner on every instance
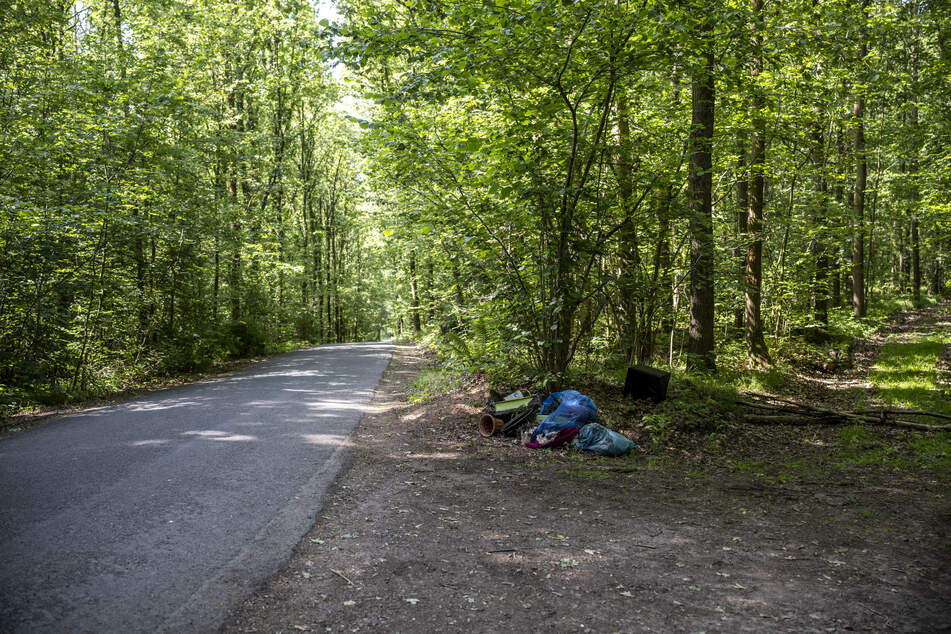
(898, 363)
(736, 192)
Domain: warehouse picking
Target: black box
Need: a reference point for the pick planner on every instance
(646, 382)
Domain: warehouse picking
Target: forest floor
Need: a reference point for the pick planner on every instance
(753, 528)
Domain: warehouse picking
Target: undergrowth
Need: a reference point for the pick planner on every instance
(906, 374)
(433, 382)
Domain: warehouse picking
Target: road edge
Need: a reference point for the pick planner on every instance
(211, 606)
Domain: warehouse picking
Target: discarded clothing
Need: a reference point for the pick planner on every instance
(552, 439)
(569, 408)
(601, 440)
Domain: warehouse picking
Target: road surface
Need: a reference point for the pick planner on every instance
(162, 513)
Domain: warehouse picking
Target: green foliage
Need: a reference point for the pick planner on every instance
(694, 404)
(933, 451)
(536, 183)
(905, 373)
(179, 186)
(176, 190)
(434, 382)
(865, 446)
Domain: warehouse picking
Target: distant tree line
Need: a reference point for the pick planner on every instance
(175, 188)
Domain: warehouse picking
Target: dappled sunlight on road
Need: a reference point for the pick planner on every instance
(213, 434)
(177, 497)
(328, 404)
(150, 443)
(160, 405)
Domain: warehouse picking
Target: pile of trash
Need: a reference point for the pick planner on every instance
(561, 418)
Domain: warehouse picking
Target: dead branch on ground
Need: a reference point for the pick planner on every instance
(771, 410)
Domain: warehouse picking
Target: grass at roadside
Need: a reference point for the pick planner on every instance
(432, 382)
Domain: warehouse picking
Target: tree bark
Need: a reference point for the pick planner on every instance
(757, 351)
(414, 298)
(700, 348)
(858, 196)
(914, 196)
(632, 296)
(820, 286)
(742, 220)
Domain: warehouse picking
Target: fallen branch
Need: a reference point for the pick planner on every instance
(789, 419)
(779, 411)
(913, 425)
(805, 419)
(911, 412)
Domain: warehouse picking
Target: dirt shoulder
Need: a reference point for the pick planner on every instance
(434, 528)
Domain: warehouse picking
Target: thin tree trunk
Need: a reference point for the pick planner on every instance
(629, 255)
(742, 220)
(858, 196)
(430, 296)
(756, 348)
(915, 263)
(666, 308)
(414, 298)
(840, 200)
(700, 350)
(820, 287)
(81, 360)
(872, 214)
(236, 107)
(914, 194)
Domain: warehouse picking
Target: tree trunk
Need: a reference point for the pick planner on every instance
(914, 196)
(742, 221)
(700, 348)
(236, 107)
(430, 295)
(820, 286)
(755, 343)
(629, 256)
(858, 196)
(915, 263)
(665, 209)
(414, 298)
(839, 193)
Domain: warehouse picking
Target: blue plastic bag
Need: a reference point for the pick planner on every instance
(601, 440)
(569, 408)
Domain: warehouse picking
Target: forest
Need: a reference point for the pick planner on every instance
(532, 188)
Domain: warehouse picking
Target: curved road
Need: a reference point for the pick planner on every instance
(163, 512)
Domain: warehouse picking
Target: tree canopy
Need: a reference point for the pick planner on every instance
(528, 183)
(586, 170)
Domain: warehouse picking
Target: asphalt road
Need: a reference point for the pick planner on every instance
(162, 513)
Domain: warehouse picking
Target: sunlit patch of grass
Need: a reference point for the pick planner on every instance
(879, 309)
(768, 380)
(433, 382)
(906, 373)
